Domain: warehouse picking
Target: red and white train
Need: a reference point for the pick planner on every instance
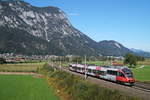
(119, 74)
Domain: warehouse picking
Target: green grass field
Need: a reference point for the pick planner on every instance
(15, 87)
(98, 63)
(21, 67)
(142, 74)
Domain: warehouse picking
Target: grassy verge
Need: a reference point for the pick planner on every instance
(15, 87)
(72, 87)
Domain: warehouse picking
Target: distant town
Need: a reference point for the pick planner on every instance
(11, 57)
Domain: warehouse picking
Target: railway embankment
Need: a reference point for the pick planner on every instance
(72, 87)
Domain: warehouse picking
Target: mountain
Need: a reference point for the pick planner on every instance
(31, 30)
(141, 52)
(112, 48)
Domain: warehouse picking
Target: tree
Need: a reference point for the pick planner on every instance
(131, 60)
(77, 60)
(139, 58)
(2, 61)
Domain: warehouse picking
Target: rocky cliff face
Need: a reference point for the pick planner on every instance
(39, 22)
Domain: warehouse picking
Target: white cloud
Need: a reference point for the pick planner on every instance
(74, 14)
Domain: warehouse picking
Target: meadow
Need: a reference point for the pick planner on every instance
(21, 67)
(15, 87)
(142, 74)
(146, 62)
(98, 63)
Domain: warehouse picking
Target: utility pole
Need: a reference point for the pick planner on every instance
(60, 64)
(52, 63)
(85, 68)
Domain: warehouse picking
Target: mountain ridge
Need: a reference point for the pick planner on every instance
(140, 52)
(113, 48)
(34, 30)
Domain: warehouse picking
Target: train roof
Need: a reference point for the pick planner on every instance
(79, 65)
(115, 67)
(105, 67)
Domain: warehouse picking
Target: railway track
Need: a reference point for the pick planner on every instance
(140, 89)
(142, 86)
(138, 85)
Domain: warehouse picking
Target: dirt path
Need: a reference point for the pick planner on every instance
(140, 67)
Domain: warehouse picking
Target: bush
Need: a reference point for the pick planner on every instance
(2, 61)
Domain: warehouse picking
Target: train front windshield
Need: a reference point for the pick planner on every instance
(128, 72)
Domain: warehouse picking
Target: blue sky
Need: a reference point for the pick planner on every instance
(126, 21)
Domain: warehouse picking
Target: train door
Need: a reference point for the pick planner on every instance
(121, 77)
(103, 74)
(111, 75)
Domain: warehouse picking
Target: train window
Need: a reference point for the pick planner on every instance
(108, 72)
(79, 68)
(97, 72)
(128, 72)
(111, 72)
(83, 69)
(89, 70)
(102, 73)
(121, 74)
(115, 73)
(76, 67)
(94, 71)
